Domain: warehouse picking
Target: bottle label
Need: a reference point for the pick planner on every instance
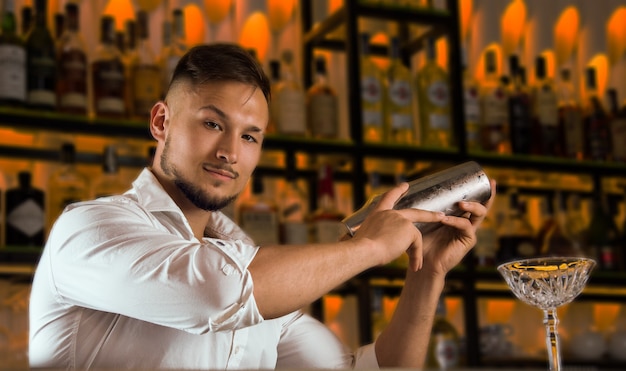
(438, 94)
(495, 108)
(329, 231)
(446, 352)
(400, 93)
(618, 136)
(27, 218)
(291, 112)
(372, 118)
(401, 121)
(439, 121)
(261, 226)
(146, 88)
(547, 109)
(472, 105)
(12, 72)
(109, 86)
(323, 119)
(73, 80)
(41, 81)
(371, 91)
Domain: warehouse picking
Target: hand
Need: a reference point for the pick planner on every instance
(445, 247)
(393, 231)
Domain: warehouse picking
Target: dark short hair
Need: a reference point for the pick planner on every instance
(221, 62)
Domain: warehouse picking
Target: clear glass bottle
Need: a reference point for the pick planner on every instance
(444, 347)
(41, 62)
(322, 105)
(596, 121)
(570, 118)
(399, 99)
(12, 59)
(108, 74)
(520, 109)
(109, 183)
(71, 86)
(145, 74)
(25, 214)
(546, 112)
(66, 184)
(372, 94)
(494, 125)
(288, 100)
(433, 96)
(258, 215)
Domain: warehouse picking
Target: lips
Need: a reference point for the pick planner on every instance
(222, 172)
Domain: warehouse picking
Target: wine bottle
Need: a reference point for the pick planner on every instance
(108, 74)
(71, 86)
(444, 347)
(145, 73)
(433, 93)
(596, 125)
(12, 60)
(617, 126)
(495, 121)
(371, 95)
(570, 118)
(322, 105)
(24, 213)
(398, 101)
(519, 106)
(41, 62)
(545, 112)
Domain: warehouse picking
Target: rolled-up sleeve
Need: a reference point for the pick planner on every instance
(140, 269)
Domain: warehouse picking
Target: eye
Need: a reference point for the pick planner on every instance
(249, 138)
(213, 125)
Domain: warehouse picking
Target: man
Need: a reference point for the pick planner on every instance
(159, 278)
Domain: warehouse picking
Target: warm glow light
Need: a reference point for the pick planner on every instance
(121, 10)
(255, 34)
(279, 13)
(550, 59)
(604, 315)
(194, 25)
(566, 34)
(512, 26)
(148, 5)
(334, 5)
(332, 306)
(442, 53)
(616, 35)
(465, 8)
(499, 311)
(479, 72)
(380, 38)
(601, 63)
(217, 10)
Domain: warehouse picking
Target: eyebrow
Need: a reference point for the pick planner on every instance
(224, 116)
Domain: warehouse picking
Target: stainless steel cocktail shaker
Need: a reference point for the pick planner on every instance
(440, 191)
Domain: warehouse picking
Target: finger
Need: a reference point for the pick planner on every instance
(389, 198)
(458, 222)
(422, 216)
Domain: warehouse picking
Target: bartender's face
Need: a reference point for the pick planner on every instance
(212, 141)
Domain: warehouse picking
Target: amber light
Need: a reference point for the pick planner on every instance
(279, 13)
(499, 311)
(565, 34)
(255, 34)
(512, 26)
(194, 25)
(479, 72)
(465, 8)
(121, 10)
(601, 64)
(616, 34)
(380, 38)
(217, 10)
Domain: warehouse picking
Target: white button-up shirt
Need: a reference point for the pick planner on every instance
(123, 283)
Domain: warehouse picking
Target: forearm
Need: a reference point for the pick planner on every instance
(404, 342)
(287, 278)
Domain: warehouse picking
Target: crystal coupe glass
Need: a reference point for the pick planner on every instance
(548, 283)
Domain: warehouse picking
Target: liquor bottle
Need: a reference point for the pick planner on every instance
(570, 118)
(109, 183)
(145, 75)
(494, 108)
(545, 112)
(371, 95)
(519, 106)
(471, 107)
(26, 22)
(617, 127)
(603, 235)
(486, 243)
(326, 219)
(444, 347)
(59, 25)
(12, 60)
(552, 238)
(288, 100)
(258, 216)
(433, 96)
(379, 321)
(596, 123)
(41, 62)
(322, 105)
(24, 213)
(177, 47)
(71, 86)
(66, 184)
(398, 101)
(293, 212)
(516, 237)
(129, 56)
(575, 223)
(107, 74)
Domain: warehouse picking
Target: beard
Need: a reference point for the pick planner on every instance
(198, 197)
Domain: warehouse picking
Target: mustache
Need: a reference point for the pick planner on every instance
(223, 169)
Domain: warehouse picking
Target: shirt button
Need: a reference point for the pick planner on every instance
(228, 269)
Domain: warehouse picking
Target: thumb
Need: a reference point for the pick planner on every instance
(389, 198)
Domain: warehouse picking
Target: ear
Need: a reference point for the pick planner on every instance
(159, 119)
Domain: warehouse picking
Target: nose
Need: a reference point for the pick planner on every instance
(227, 150)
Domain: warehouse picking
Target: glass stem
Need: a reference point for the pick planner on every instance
(551, 322)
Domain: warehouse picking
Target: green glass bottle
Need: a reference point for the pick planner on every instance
(41, 62)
